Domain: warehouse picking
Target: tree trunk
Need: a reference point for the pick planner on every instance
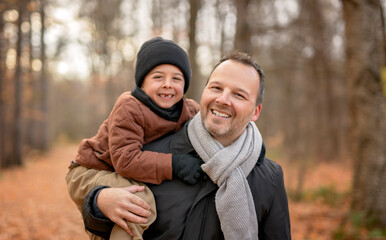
(243, 31)
(367, 106)
(30, 137)
(221, 14)
(325, 136)
(17, 130)
(43, 123)
(196, 81)
(2, 102)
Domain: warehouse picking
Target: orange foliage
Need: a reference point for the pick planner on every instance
(34, 201)
(319, 214)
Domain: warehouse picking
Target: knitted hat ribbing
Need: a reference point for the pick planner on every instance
(157, 51)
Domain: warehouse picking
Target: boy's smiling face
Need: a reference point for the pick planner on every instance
(164, 84)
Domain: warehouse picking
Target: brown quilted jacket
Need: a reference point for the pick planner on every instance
(118, 143)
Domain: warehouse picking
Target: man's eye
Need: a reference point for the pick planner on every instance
(240, 96)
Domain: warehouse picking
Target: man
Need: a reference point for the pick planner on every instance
(242, 194)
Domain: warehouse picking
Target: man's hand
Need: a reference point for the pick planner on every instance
(119, 204)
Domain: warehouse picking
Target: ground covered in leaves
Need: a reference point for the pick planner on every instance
(34, 203)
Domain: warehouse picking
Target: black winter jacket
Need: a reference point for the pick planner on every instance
(188, 212)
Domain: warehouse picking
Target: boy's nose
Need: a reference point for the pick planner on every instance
(167, 83)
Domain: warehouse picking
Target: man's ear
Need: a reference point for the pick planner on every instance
(256, 112)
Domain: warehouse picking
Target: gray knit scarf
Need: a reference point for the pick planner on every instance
(228, 168)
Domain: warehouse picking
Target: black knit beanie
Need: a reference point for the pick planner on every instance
(157, 51)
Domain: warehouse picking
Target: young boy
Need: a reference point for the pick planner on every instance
(154, 108)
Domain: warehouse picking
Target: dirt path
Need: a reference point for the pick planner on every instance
(34, 203)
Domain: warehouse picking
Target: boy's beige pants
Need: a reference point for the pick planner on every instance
(81, 180)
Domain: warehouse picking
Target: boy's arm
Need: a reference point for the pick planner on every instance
(126, 139)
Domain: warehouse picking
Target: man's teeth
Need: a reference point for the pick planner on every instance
(219, 114)
(164, 95)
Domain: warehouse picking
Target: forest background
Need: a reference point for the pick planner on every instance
(63, 63)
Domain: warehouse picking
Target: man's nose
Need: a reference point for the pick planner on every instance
(223, 98)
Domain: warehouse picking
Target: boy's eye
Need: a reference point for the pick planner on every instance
(177, 78)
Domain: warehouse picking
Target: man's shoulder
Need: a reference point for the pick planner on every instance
(268, 163)
(267, 172)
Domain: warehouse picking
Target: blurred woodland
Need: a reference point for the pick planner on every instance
(63, 63)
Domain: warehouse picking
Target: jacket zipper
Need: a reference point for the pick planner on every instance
(204, 179)
(205, 210)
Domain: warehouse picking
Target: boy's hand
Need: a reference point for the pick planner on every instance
(187, 167)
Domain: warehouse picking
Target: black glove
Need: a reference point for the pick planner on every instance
(187, 167)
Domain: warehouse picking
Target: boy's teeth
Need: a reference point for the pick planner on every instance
(220, 114)
(164, 95)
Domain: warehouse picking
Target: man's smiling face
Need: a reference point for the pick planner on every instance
(228, 102)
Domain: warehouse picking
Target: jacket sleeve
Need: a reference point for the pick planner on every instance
(126, 139)
(94, 220)
(276, 223)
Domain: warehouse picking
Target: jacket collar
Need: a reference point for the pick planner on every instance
(262, 155)
(172, 114)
